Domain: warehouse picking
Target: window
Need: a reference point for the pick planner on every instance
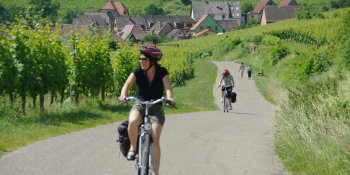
(201, 27)
(124, 12)
(223, 16)
(209, 27)
(189, 25)
(151, 24)
(252, 16)
(177, 25)
(216, 27)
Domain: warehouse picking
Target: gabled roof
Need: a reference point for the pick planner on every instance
(173, 32)
(200, 8)
(287, 2)
(199, 22)
(100, 21)
(140, 36)
(228, 25)
(206, 31)
(118, 7)
(131, 29)
(258, 8)
(67, 30)
(157, 27)
(279, 13)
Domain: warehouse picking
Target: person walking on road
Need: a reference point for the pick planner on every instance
(241, 69)
(249, 71)
(151, 81)
(228, 81)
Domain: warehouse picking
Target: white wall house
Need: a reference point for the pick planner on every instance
(219, 10)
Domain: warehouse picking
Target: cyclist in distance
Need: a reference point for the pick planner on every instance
(151, 81)
(228, 81)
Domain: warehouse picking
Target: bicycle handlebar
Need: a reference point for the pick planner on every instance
(163, 99)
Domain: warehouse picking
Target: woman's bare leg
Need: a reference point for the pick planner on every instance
(156, 131)
(135, 120)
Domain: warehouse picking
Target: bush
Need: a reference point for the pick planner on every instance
(256, 39)
(277, 53)
(271, 40)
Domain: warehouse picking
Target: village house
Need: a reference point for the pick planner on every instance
(203, 33)
(273, 14)
(287, 9)
(219, 10)
(288, 2)
(115, 7)
(175, 33)
(206, 22)
(258, 10)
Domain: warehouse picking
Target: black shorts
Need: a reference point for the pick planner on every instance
(229, 90)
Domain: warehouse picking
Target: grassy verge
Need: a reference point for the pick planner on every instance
(17, 130)
(311, 125)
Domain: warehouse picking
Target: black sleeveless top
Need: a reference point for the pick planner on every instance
(147, 90)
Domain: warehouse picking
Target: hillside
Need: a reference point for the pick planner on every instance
(170, 7)
(307, 75)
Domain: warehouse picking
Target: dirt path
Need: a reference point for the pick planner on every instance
(217, 143)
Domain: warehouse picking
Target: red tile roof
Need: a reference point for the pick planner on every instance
(203, 32)
(285, 2)
(116, 6)
(260, 6)
(199, 22)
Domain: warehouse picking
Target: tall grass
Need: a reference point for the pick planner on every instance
(315, 142)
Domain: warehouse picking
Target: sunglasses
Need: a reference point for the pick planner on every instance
(144, 59)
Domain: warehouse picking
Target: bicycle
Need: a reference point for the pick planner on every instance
(144, 158)
(226, 101)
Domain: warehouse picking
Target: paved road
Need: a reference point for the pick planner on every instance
(213, 143)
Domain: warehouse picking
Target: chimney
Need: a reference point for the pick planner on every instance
(160, 24)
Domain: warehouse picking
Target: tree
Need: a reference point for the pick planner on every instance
(153, 10)
(47, 8)
(246, 7)
(151, 39)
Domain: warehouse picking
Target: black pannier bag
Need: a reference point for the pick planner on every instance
(233, 97)
(124, 141)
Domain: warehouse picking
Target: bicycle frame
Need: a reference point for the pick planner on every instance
(144, 159)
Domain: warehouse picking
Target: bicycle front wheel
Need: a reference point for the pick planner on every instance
(224, 104)
(145, 155)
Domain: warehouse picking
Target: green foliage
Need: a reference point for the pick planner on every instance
(339, 4)
(186, 2)
(277, 53)
(8, 69)
(256, 39)
(153, 10)
(309, 12)
(47, 8)
(151, 39)
(271, 40)
(246, 7)
(251, 23)
(225, 46)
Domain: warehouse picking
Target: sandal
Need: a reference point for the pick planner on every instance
(131, 157)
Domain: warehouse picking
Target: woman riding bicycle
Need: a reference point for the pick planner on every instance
(151, 81)
(228, 81)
